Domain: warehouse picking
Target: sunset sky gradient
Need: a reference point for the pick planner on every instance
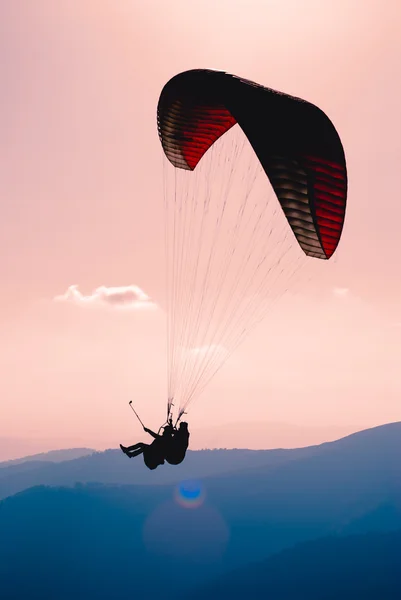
(81, 205)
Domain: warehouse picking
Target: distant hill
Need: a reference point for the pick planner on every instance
(252, 506)
(254, 436)
(14, 448)
(364, 567)
(138, 541)
(372, 454)
(53, 456)
(113, 467)
(23, 469)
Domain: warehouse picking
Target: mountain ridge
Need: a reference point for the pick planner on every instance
(111, 466)
(358, 566)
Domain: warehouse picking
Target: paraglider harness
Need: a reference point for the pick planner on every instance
(169, 419)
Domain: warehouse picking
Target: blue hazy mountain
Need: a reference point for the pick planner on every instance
(113, 467)
(377, 445)
(137, 541)
(364, 567)
(21, 469)
(99, 541)
(53, 456)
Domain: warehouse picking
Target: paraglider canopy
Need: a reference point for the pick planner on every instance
(230, 250)
(296, 143)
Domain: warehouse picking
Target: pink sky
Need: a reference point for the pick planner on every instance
(81, 203)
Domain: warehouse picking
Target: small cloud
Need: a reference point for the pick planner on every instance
(129, 296)
(341, 292)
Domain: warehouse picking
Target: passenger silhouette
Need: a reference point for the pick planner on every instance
(177, 445)
(154, 453)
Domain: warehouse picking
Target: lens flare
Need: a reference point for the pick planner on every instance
(189, 494)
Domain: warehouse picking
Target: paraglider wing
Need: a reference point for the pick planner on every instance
(295, 142)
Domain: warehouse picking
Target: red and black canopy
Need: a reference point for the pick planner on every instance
(295, 142)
